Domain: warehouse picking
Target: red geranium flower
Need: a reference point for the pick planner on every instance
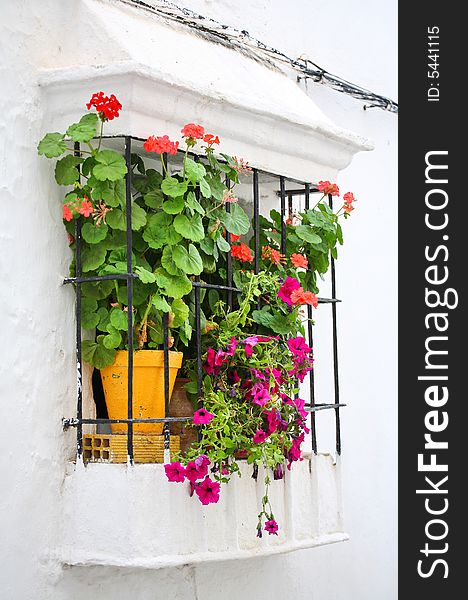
(299, 261)
(160, 145)
(86, 208)
(274, 255)
(195, 132)
(242, 252)
(300, 297)
(107, 106)
(348, 198)
(67, 213)
(328, 188)
(210, 139)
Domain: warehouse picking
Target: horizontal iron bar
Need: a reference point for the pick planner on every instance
(299, 192)
(95, 278)
(328, 300)
(316, 407)
(75, 422)
(212, 286)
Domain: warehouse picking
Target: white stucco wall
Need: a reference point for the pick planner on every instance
(354, 39)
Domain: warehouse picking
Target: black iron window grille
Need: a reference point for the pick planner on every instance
(288, 189)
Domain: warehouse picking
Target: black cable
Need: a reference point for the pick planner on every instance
(305, 68)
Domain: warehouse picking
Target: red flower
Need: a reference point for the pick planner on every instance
(208, 491)
(274, 255)
(86, 208)
(328, 188)
(348, 198)
(210, 139)
(242, 252)
(299, 261)
(195, 132)
(160, 145)
(300, 297)
(67, 213)
(107, 106)
(348, 208)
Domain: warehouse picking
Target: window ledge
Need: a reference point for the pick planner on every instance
(116, 515)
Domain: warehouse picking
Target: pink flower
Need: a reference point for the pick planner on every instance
(208, 491)
(202, 417)
(287, 289)
(272, 527)
(261, 397)
(272, 421)
(300, 407)
(214, 361)
(231, 347)
(258, 374)
(202, 461)
(175, 472)
(259, 437)
(194, 472)
(298, 346)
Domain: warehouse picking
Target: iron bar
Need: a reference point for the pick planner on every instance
(166, 429)
(79, 363)
(283, 211)
(335, 350)
(198, 345)
(128, 206)
(299, 192)
(228, 257)
(256, 220)
(94, 278)
(66, 423)
(212, 286)
(316, 407)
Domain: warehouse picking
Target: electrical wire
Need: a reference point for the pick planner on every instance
(305, 68)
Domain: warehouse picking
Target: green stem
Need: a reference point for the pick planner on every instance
(100, 135)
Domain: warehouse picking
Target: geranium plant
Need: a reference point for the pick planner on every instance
(178, 221)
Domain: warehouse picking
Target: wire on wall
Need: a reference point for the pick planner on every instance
(305, 68)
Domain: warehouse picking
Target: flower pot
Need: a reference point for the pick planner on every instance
(182, 407)
(148, 388)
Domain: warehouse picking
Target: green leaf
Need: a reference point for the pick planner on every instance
(85, 130)
(113, 339)
(207, 245)
(209, 263)
(194, 171)
(213, 299)
(174, 286)
(93, 257)
(93, 234)
(144, 275)
(191, 229)
(263, 317)
(305, 232)
(116, 219)
(168, 263)
(180, 311)
(236, 221)
(339, 233)
(217, 187)
(156, 231)
(193, 204)
(119, 319)
(111, 165)
(138, 217)
(160, 303)
(223, 245)
(173, 187)
(174, 206)
(104, 321)
(112, 192)
(154, 198)
(52, 145)
(89, 316)
(205, 188)
(66, 172)
(97, 355)
(189, 261)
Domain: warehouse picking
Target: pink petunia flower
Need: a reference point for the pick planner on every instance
(298, 346)
(259, 437)
(287, 289)
(194, 472)
(261, 397)
(208, 491)
(202, 417)
(272, 527)
(175, 472)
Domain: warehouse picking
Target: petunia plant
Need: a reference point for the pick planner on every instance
(178, 220)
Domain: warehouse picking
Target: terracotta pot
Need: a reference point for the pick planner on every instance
(148, 388)
(182, 407)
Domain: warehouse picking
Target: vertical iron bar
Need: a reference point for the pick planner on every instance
(198, 343)
(256, 223)
(128, 205)
(283, 211)
(167, 431)
(313, 431)
(228, 256)
(335, 349)
(79, 364)
(290, 206)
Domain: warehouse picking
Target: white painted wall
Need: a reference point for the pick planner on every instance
(354, 39)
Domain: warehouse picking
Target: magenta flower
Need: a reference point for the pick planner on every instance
(258, 374)
(298, 346)
(175, 472)
(272, 527)
(202, 461)
(231, 347)
(234, 377)
(278, 472)
(259, 437)
(300, 407)
(202, 417)
(194, 472)
(261, 397)
(208, 491)
(287, 289)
